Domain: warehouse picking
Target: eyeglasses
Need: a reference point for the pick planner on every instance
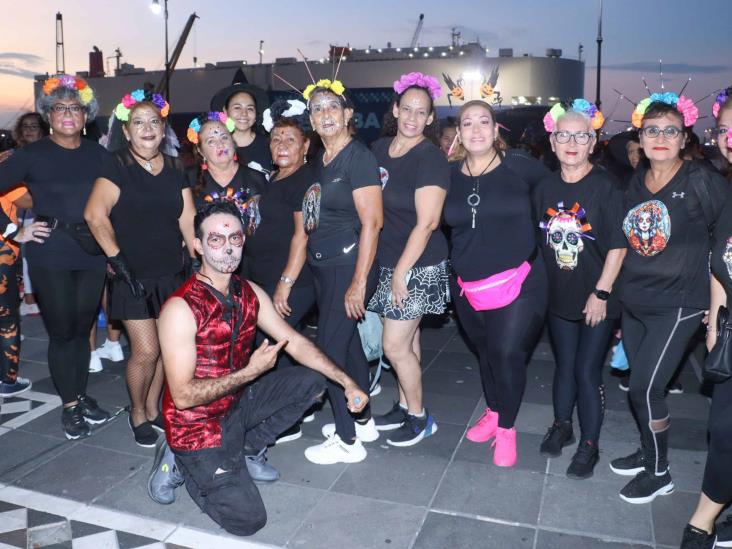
(669, 132)
(31, 126)
(721, 131)
(581, 138)
(62, 109)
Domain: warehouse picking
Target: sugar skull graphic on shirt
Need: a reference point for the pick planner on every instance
(648, 228)
(727, 256)
(565, 229)
(383, 176)
(311, 208)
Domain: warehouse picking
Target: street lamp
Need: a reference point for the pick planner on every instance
(261, 50)
(156, 8)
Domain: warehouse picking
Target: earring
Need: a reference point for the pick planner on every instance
(204, 166)
(50, 131)
(305, 159)
(83, 131)
(236, 158)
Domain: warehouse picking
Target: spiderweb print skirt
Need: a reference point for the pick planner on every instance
(429, 293)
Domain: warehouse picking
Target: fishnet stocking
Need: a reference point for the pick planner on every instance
(144, 383)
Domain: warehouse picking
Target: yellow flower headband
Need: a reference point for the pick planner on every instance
(336, 86)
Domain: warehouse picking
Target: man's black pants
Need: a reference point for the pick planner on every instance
(217, 478)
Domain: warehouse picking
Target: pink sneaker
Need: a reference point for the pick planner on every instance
(485, 428)
(505, 447)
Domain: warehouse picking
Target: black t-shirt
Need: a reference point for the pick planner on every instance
(667, 264)
(145, 217)
(328, 208)
(257, 151)
(504, 235)
(721, 258)
(247, 181)
(423, 165)
(267, 250)
(60, 181)
(581, 222)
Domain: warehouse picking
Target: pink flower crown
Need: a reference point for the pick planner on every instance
(122, 110)
(721, 100)
(684, 105)
(425, 81)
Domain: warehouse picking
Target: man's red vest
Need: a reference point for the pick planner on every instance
(225, 329)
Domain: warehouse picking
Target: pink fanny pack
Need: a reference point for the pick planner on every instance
(498, 290)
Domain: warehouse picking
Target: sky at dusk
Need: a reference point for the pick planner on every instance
(691, 36)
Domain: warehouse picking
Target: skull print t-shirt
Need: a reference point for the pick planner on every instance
(580, 223)
(667, 264)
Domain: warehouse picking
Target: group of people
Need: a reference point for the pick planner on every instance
(211, 271)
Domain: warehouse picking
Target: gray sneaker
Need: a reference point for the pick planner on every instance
(259, 469)
(165, 476)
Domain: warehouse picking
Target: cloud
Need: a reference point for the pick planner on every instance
(652, 67)
(15, 71)
(27, 58)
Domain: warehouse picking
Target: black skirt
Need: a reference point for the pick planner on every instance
(124, 306)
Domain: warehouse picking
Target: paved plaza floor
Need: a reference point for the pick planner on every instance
(442, 493)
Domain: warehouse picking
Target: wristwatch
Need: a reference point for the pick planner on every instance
(287, 280)
(601, 294)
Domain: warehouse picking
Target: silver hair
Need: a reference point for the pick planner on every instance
(61, 93)
(576, 115)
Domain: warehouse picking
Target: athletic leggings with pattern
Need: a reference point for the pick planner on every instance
(9, 316)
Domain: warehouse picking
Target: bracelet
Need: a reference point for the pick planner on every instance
(601, 294)
(287, 280)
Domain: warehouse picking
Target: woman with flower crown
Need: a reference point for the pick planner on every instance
(342, 214)
(412, 252)
(664, 287)
(581, 211)
(140, 211)
(716, 492)
(66, 268)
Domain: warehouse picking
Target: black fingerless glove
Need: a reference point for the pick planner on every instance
(122, 271)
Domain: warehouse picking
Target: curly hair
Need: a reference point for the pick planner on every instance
(62, 93)
(390, 126)
(18, 129)
(212, 208)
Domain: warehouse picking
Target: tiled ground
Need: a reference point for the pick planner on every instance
(442, 493)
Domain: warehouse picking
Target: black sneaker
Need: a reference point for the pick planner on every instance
(73, 423)
(157, 424)
(724, 533)
(393, 419)
(624, 383)
(646, 486)
(557, 437)
(92, 412)
(696, 538)
(293, 433)
(11, 388)
(675, 388)
(629, 465)
(144, 433)
(584, 461)
(413, 430)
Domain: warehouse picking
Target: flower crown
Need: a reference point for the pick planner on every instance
(248, 209)
(86, 95)
(122, 110)
(296, 108)
(425, 81)
(578, 105)
(336, 86)
(684, 105)
(721, 100)
(195, 126)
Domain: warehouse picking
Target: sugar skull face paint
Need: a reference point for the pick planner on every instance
(327, 114)
(223, 242)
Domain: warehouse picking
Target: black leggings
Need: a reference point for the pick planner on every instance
(9, 317)
(504, 339)
(68, 301)
(655, 340)
(717, 484)
(580, 353)
(301, 300)
(338, 338)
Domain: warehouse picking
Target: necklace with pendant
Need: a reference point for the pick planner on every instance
(146, 163)
(474, 197)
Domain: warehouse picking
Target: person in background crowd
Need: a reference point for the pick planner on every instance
(67, 270)
(716, 493)
(448, 131)
(664, 287)
(342, 214)
(140, 187)
(584, 247)
(501, 297)
(412, 253)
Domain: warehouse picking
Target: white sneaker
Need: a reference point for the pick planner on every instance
(29, 309)
(111, 350)
(95, 364)
(366, 432)
(308, 418)
(334, 450)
